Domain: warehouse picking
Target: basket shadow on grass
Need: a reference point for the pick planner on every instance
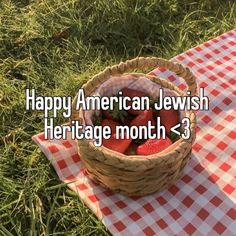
(194, 190)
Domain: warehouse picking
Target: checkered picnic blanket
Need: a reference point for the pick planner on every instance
(203, 202)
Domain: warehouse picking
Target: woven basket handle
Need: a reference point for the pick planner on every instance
(141, 63)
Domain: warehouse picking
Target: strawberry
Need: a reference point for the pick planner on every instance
(152, 146)
(127, 92)
(111, 123)
(142, 118)
(118, 145)
(169, 118)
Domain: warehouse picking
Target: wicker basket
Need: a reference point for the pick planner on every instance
(138, 175)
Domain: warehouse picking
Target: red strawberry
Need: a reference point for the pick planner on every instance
(118, 145)
(111, 123)
(169, 118)
(142, 118)
(152, 146)
(127, 92)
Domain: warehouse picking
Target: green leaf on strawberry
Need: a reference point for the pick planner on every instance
(96, 119)
(115, 114)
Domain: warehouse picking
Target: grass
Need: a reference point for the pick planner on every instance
(55, 46)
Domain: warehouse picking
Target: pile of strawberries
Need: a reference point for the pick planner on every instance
(168, 118)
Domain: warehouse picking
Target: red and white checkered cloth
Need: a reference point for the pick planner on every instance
(203, 202)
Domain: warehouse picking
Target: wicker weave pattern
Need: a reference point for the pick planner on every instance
(138, 175)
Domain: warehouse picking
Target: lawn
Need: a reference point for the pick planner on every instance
(55, 46)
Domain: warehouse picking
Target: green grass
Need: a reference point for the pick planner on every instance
(55, 46)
